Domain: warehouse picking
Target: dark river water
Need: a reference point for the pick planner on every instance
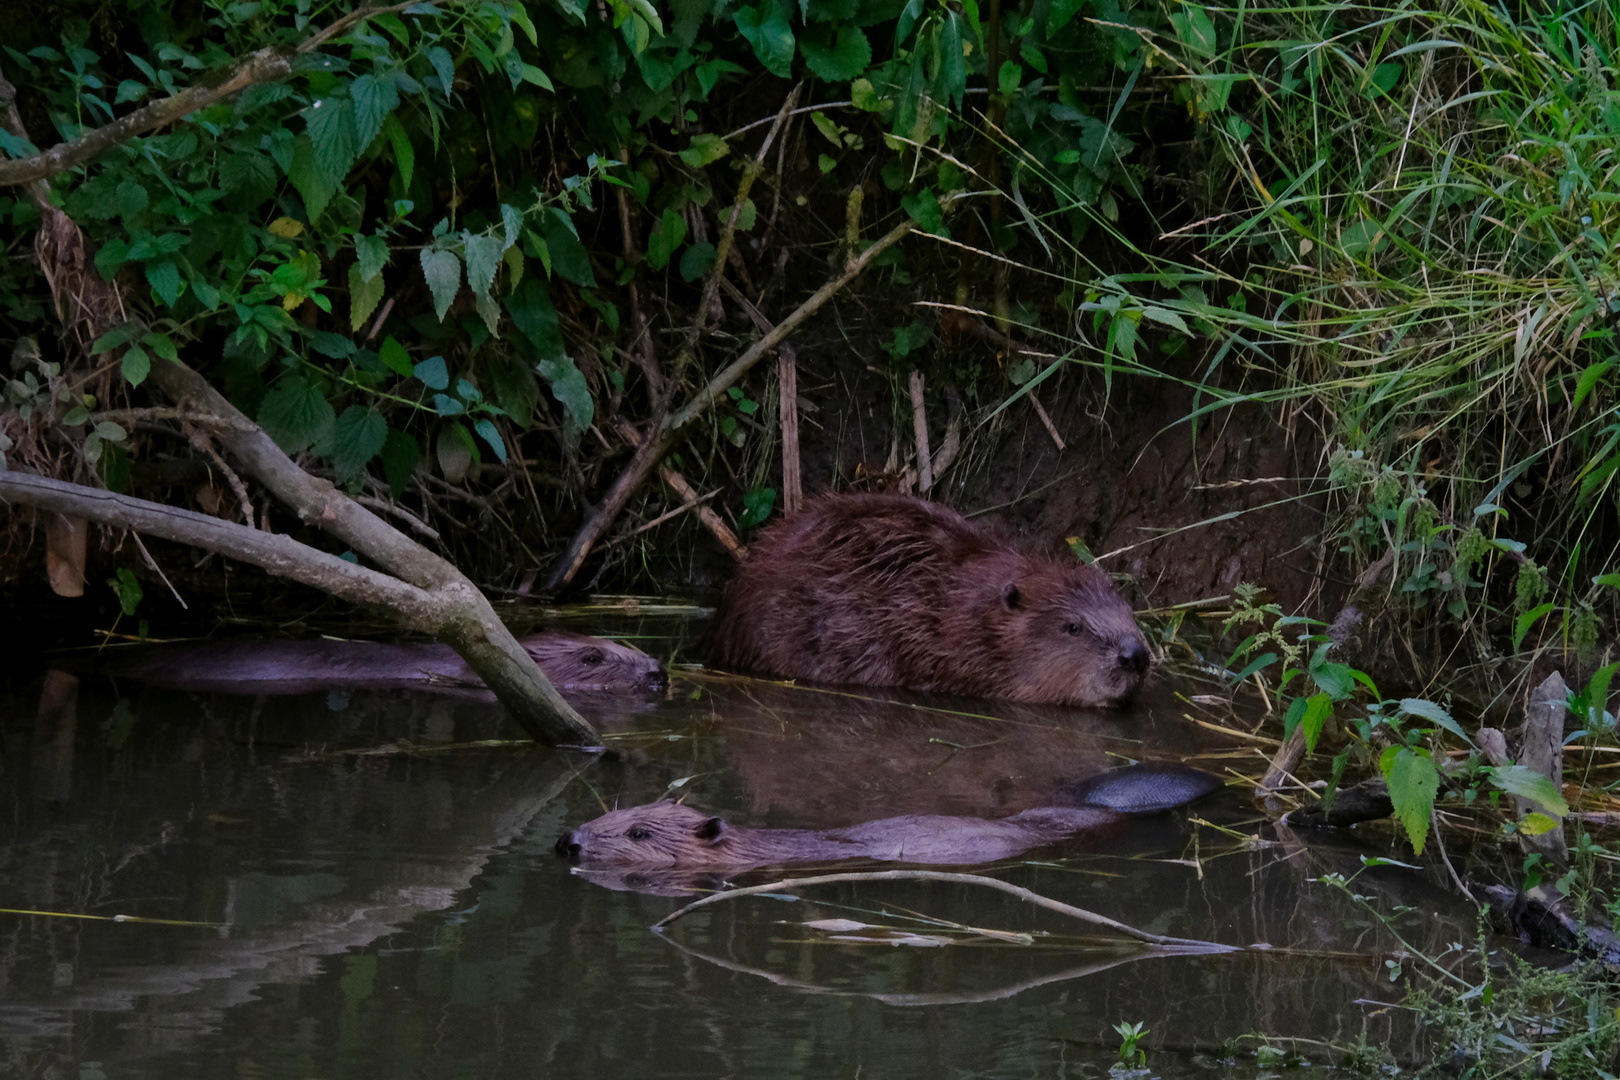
(332, 911)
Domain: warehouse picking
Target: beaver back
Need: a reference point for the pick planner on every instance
(889, 590)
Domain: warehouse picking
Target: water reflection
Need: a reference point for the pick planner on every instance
(364, 914)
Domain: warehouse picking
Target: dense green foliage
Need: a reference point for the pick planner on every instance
(462, 163)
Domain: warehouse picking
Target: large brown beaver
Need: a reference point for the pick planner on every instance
(888, 590)
(667, 835)
(252, 666)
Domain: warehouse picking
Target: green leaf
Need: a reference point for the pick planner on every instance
(568, 255)
(401, 455)
(1011, 77)
(136, 365)
(1060, 15)
(443, 66)
(848, 57)
(569, 387)
(483, 259)
(705, 148)
(1522, 625)
(357, 437)
(364, 296)
(1526, 783)
(443, 273)
(161, 344)
(768, 31)
(1259, 662)
(1195, 29)
(309, 178)
(331, 125)
(1535, 823)
(433, 373)
(1318, 710)
(923, 207)
(866, 98)
(1335, 680)
(487, 431)
(697, 260)
(757, 506)
(1413, 783)
(164, 277)
(370, 255)
(374, 100)
(118, 335)
(1382, 79)
(404, 152)
(1428, 710)
(455, 451)
(536, 319)
(399, 360)
(128, 200)
(667, 235)
(295, 414)
(1588, 381)
(1166, 317)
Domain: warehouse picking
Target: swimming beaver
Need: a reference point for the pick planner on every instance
(889, 590)
(666, 835)
(252, 666)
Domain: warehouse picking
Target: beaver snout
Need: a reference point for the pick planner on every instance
(1133, 656)
(655, 681)
(568, 846)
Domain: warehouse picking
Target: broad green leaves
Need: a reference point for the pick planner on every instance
(1413, 783)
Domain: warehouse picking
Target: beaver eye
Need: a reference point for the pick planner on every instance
(1072, 629)
(638, 833)
(593, 657)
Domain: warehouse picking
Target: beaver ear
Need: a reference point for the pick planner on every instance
(714, 828)
(1012, 597)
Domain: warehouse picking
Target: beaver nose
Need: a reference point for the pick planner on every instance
(656, 681)
(1133, 656)
(568, 845)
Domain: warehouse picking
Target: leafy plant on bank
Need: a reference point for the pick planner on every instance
(408, 255)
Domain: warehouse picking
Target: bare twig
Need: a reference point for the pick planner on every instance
(1051, 428)
(158, 570)
(919, 427)
(1026, 895)
(787, 372)
(202, 442)
(652, 449)
(728, 234)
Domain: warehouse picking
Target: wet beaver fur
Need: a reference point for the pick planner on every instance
(573, 662)
(889, 590)
(667, 835)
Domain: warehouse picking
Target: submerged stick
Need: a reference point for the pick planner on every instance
(1158, 940)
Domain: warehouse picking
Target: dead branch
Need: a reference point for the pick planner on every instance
(266, 65)
(955, 879)
(653, 449)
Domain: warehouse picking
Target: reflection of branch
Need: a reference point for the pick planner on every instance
(1169, 943)
(1000, 993)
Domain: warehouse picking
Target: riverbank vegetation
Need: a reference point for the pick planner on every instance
(536, 284)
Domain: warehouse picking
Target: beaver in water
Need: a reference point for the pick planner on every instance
(573, 662)
(890, 590)
(667, 835)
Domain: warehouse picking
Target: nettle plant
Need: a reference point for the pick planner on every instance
(1403, 736)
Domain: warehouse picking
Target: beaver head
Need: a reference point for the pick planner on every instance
(1060, 633)
(660, 834)
(576, 662)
